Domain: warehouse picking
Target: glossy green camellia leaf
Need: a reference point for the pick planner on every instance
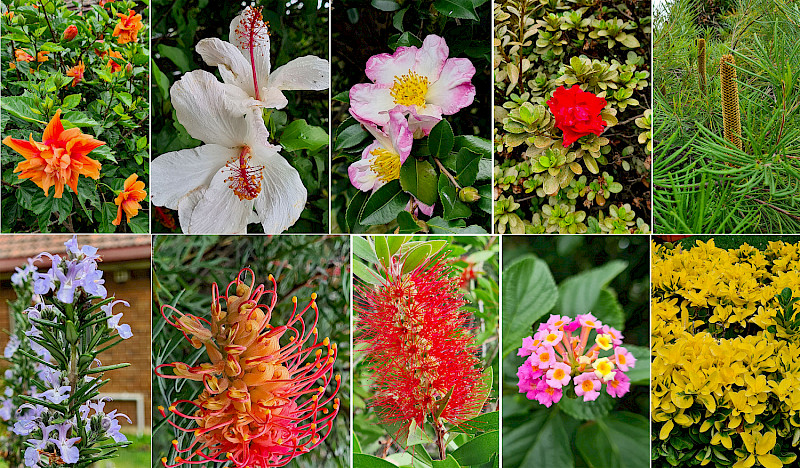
(478, 450)
(467, 166)
(407, 224)
(385, 204)
(419, 179)
(351, 133)
(440, 140)
(438, 225)
(386, 5)
(300, 135)
(619, 440)
(529, 292)
(453, 207)
(354, 210)
(405, 39)
(463, 9)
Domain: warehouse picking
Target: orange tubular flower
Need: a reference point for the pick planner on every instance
(128, 27)
(23, 56)
(128, 200)
(42, 56)
(114, 64)
(58, 159)
(76, 73)
(260, 406)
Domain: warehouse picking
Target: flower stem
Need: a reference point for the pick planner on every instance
(438, 426)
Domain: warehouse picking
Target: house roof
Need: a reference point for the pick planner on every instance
(17, 248)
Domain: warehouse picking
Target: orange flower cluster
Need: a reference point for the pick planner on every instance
(76, 73)
(261, 405)
(59, 159)
(128, 27)
(128, 200)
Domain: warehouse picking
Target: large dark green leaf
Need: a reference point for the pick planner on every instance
(440, 140)
(354, 210)
(419, 179)
(385, 204)
(640, 374)
(608, 309)
(583, 410)
(467, 166)
(529, 292)
(478, 450)
(620, 440)
(579, 293)
(452, 207)
(463, 9)
(542, 442)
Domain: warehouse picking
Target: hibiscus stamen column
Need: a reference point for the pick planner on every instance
(251, 30)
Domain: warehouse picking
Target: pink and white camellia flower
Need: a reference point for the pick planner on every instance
(244, 64)
(380, 162)
(422, 82)
(415, 207)
(236, 178)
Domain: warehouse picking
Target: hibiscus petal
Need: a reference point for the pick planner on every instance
(383, 68)
(219, 211)
(369, 103)
(202, 108)
(174, 175)
(187, 205)
(283, 195)
(233, 66)
(249, 34)
(453, 90)
(431, 57)
(307, 72)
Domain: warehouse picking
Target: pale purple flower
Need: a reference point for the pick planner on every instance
(124, 330)
(87, 252)
(32, 457)
(11, 346)
(57, 394)
(27, 422)
(421, 81)
(23, 274)
(112, 427)
(69, 453)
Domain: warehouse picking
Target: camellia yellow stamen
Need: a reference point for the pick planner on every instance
(386, 164)
(410, 89)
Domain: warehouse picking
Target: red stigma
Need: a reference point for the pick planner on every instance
(252, 29)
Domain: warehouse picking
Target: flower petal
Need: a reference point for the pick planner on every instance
(431, 57)
(202, 107)
(369, 103)
(219, 211)
(402, 138)
(283, 195)
(174, 175)
(307, 72)
(382, 68)
(249, 34)
(453, 90)
(233, 66)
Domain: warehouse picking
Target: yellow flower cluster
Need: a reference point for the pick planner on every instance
(726, 373)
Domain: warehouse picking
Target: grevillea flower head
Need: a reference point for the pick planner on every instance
(419, 346)
(577, 113)
(262, 403)
(555, 357)
(244, 64)
(59, 159)
(422, 82)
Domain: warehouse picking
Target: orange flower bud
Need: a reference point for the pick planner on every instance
(70, 33)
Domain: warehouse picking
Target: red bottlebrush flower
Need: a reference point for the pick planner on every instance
(467, 275)
(70, 33)
(577, 113)
(419, 347)
(261, 405)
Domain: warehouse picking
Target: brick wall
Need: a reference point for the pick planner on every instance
(129, 281)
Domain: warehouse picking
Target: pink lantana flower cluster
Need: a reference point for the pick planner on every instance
(409, 93)
(557, 356)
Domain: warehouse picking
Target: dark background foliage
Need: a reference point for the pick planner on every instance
(296, 29)
(184, 267)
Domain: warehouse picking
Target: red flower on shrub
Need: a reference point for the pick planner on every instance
(577, 113)
(70, 33)
(23, 56)
(76, 73)
(114, 64)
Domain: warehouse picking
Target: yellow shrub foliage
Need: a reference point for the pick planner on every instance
(726, 366)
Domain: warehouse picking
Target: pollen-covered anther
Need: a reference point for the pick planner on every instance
(244, 179)
(410, 89)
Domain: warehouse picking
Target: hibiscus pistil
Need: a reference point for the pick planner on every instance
(252, 29)
(245, 180)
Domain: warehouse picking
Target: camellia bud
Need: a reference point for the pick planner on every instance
(70, 33)
(71, 332)
(469, 195)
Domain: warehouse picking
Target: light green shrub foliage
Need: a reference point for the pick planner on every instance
(604, 47)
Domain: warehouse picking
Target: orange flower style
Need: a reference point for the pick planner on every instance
(114, 64)
(261, 405)
(128, 27)
(23, 56)
(76, 73)
(58, 159)
(128, 200)
(42, 56)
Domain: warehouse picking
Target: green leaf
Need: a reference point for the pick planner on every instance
(344, 96)
(419, 179)
(382, 251)
(407, 224)
(22, 107)
(467, 167)
(300, 135)
(529, 292)
(608, 310)
(397, 19)
(78, 119)
(364, 250)
(483, 391)
(452, 207)
(354, 210)
(583, 410)
(415, 257)
(396, 242)
(476, 144)
(448, 462)
(405, 39)
(483, 423)
(386, 5)
(620, 440)
(70, 101)
(458, 226)
(362, 460)
(640, 374)
(579, 293)
(440, 140)
(180, 57)
(478, 450)
(463, 9)
(350, 136)
(543, 441)
(365, 273)
(356, 443)
(385, 204)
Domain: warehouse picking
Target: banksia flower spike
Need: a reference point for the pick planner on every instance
(264, 400)
(730, 101)
(701, 63)
(420, 348)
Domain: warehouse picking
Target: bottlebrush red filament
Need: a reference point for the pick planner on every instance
(419, 346)
(263, 402)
